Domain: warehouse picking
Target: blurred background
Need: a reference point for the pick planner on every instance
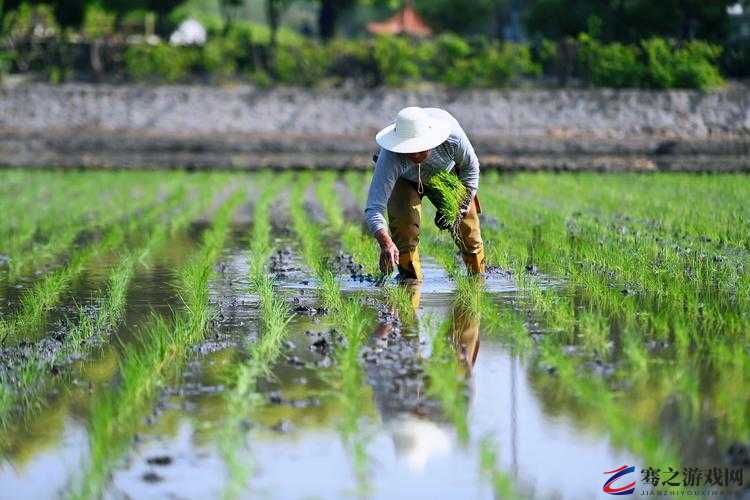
(538, 84)
(459, 43)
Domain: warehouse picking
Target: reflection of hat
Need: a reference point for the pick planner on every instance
(417, 440)
(413, 131)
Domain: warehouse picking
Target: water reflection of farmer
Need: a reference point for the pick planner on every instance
(420, 143)
(398, 382)
(464, 327)
(465, 332)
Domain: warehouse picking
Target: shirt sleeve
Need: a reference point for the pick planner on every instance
(381, 186)
(467, 162)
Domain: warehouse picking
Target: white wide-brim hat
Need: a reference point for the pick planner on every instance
(413, 131)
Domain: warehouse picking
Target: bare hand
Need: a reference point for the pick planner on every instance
(388, 258)
(465, 206)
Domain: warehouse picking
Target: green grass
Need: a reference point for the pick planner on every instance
(158, 355)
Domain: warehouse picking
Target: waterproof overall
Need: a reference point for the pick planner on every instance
(404, 219)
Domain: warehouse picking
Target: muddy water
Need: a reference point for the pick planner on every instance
(43, 448)
(298, 444)
(295, 441)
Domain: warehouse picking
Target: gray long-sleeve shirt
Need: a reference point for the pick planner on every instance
(456, 151)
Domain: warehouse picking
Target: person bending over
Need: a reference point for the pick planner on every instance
(420, 143)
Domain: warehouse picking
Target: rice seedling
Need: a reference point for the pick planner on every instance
(35, 243)
(448, 194)
(45, 294)
(31, 382)
(502, 485)
(630, 284)
(275, 314)
(359, 245)
(162, 348)
(351, 317)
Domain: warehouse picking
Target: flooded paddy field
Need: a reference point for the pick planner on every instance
(203, 335)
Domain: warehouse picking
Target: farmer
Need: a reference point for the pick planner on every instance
(420, 143)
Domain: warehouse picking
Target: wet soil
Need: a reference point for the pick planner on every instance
(94, 361)
(407, 444)
(395, 370)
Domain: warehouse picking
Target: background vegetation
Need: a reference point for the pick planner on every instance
(484, 43)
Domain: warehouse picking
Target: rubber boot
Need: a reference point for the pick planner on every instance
(409, 266)
(474, 262)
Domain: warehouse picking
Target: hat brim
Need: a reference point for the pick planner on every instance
(436, 134)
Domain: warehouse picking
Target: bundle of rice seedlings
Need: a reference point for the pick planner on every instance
(448, 194)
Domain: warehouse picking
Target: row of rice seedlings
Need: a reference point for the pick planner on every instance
(357, 243)
(53, 226)
(352, 319)
(45, 294)
(527, 248)
(553, 310)
(716, 212)
(447, 377)
(678, 311)
(30, 213)
(66, 219)
(69, 201)
(591, 326)
(31, 377)
(354, 393)
(159, 354)
(681, 267)
(313, 246)
(685, 276)
(274, 315)
(29, 197)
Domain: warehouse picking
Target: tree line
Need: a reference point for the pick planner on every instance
(625, 21)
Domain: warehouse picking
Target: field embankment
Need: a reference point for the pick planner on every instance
(245, 127)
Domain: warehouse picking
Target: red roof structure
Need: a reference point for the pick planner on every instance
(406, 22)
